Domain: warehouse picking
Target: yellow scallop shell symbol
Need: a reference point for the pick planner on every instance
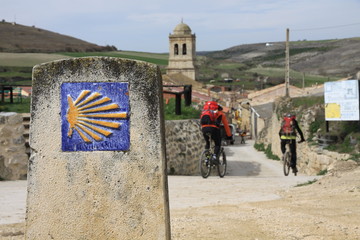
(84, 113)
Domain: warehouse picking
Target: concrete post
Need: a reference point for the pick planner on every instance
(97, 168)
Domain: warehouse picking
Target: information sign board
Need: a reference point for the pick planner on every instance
(342, 100)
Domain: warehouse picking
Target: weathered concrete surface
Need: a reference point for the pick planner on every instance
(97, 194)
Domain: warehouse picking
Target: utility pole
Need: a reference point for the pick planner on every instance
(287, 64)
(303, 81)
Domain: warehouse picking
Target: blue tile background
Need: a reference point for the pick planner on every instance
(119, 140)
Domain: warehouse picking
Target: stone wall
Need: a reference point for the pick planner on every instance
(13, 157)
(184, 144)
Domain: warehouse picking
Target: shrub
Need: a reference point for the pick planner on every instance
(314, 127)
(259, 147)
(322, 172)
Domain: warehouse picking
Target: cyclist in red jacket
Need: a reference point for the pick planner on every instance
(210, 120)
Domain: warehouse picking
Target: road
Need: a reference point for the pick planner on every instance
(250, 177)
(254, 201)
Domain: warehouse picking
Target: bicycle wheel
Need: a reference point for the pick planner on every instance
(286, 162)
(221, 167)
(204, 164)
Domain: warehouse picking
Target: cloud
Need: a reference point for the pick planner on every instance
(217, 24)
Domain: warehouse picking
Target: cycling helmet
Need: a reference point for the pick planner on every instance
(212, 105)
(290, 115)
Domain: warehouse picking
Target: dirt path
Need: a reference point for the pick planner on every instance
(256, 201)
(253, 201)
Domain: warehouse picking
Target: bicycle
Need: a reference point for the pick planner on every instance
(286, 158)
(207, 162)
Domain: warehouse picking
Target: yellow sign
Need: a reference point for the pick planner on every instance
(332, 110)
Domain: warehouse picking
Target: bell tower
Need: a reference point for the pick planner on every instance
(182, 51)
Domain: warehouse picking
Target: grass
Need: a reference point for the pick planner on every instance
(259, 147)
(27, 59)
(314, 126)
(269, 154)
(345, 146)
(17, 106)
(21, 74)
(296, 78)
(158, 59)
(16, 68)
(187, 112)
(306, 183)
(308, 101)
(226, 66)
(322, 172)
(355, 157)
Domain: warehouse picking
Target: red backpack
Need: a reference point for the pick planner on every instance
(208, 115)
(287, 127)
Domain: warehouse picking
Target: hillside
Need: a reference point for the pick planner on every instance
(18, 38)
(338, 58)
(252, 66)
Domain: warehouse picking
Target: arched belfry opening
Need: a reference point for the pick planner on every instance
(182, 51)
(176, 49)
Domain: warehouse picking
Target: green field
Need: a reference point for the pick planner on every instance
(32, 59)
(27, 59)
(296, 78)
(155, 58)
(16, 68)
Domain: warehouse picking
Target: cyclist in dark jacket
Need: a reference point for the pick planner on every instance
(212, 126)
(288, 132)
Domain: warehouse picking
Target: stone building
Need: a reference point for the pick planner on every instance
(182, 52)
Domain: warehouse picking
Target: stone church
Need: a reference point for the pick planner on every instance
(182, 52)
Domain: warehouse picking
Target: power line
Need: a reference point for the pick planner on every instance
(329, 27)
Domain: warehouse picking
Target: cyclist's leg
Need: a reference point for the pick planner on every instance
(206, 137)
(283, 145)
(293, 153)
(216, 136)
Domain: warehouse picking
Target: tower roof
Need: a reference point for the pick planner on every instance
(182, 29)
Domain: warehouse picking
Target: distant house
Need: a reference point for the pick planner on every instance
(22, 91)
(228, 80)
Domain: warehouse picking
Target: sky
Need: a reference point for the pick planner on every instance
(145, 25)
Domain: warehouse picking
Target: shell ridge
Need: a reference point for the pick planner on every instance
(82, 95)
(94, 104)
(101, 123)
(112, 106)
(90, 133)
(89, 99)
(95, 129)
(121, 115)
(82, 135)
